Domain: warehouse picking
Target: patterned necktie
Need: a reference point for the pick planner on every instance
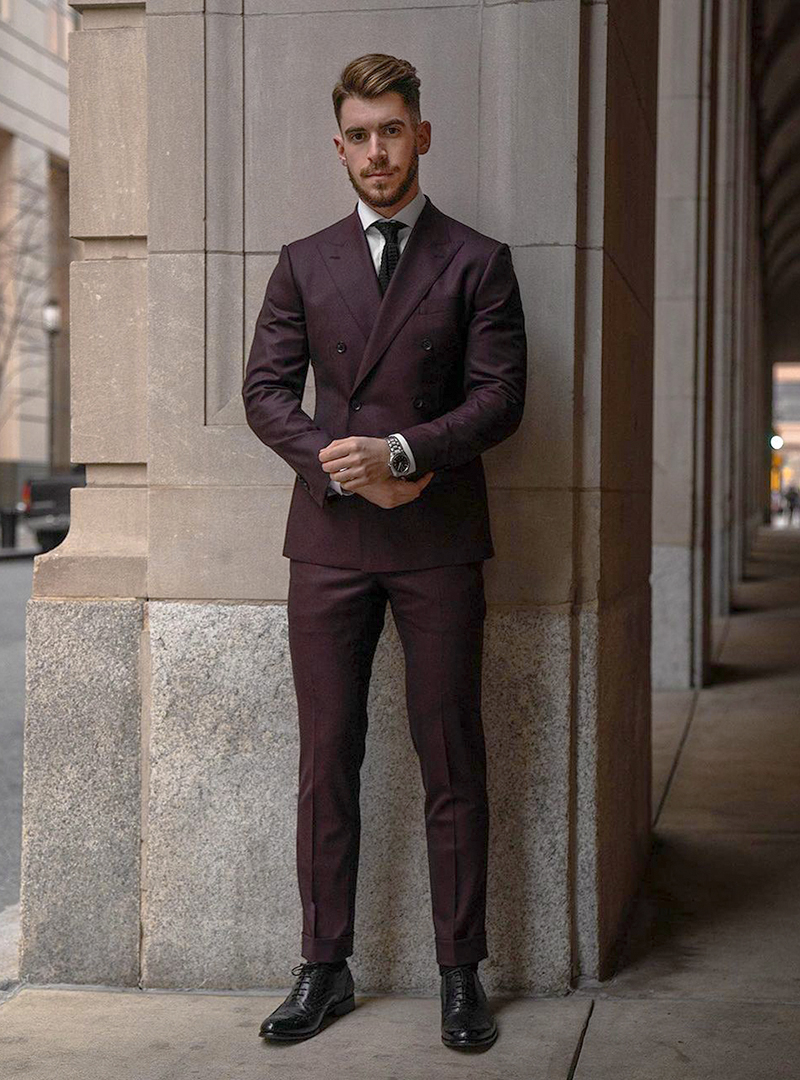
(391, 250)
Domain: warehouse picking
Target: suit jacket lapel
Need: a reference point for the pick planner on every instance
(427, 253)
(350, 264)
(425, 256)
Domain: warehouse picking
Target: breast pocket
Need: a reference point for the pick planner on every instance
(441, 303)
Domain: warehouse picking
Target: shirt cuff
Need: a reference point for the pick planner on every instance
(404, 443)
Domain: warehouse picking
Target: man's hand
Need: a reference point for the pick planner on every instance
(361, 464)
(356, 461)
(393, 491)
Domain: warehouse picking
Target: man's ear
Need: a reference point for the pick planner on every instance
(423, 136)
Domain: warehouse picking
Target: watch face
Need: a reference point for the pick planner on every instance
(400, 463)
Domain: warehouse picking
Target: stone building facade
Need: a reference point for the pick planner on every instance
(161, 743)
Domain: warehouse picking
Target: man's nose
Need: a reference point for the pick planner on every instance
(377, 150)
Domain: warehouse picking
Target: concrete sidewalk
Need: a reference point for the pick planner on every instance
(708, 987)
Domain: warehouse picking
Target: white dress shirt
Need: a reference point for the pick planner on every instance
(376, 240)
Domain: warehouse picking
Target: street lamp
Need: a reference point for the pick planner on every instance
(51, 318)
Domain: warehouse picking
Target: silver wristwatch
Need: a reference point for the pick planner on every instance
(398, 458)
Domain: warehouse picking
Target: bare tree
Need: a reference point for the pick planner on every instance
(23, 253)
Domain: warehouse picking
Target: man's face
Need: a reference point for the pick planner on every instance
(380, 148)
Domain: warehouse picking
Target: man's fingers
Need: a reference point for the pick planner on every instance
(353, 482)
(343, 462)
(423, 481)
(335, 465)
(388, 492)
(333, 450)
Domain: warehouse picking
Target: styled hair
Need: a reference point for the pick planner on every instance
(373, 74)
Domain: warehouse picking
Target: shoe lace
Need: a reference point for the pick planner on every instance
(304, 973)
(462, 986)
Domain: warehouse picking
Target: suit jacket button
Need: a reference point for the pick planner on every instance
(355, 405)
(419, 403)
(426, 343)
(340, 346)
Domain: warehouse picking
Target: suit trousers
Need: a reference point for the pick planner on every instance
(335, 618)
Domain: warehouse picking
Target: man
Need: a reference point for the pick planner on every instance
(414, 327)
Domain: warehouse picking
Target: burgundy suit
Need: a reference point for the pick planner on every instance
(441, 359)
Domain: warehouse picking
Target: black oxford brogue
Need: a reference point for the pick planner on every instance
(467, 1022)
(319, 994)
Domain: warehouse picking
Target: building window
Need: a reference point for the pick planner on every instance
(61, 19)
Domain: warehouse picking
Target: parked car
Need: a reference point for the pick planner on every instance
(45, 502)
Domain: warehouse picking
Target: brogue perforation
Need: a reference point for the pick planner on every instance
(319, 993)
(467, 1021)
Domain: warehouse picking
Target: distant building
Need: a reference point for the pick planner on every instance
(35, 248)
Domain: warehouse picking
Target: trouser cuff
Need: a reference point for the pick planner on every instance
(326, 948)
(461, 951)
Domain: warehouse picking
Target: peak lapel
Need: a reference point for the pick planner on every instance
(426, 254)
(350, 265)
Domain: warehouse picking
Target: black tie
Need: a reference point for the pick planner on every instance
(391, 250)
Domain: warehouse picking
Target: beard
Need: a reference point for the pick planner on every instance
(391, 197)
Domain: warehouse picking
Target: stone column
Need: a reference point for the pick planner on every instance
(681, 476)
(86, 622)
(750, 363)
(612, 432)
(775, 39)
(161, 704)
(707, 311)
(733, 98)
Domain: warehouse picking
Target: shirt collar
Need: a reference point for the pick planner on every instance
(408, 215)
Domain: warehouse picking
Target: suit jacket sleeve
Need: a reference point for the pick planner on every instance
(495, 373)
(275, 379)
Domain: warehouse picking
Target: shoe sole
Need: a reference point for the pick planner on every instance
(454, 1044)
(342, 1007)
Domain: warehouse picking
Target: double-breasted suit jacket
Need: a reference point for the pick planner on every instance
(439, 358)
